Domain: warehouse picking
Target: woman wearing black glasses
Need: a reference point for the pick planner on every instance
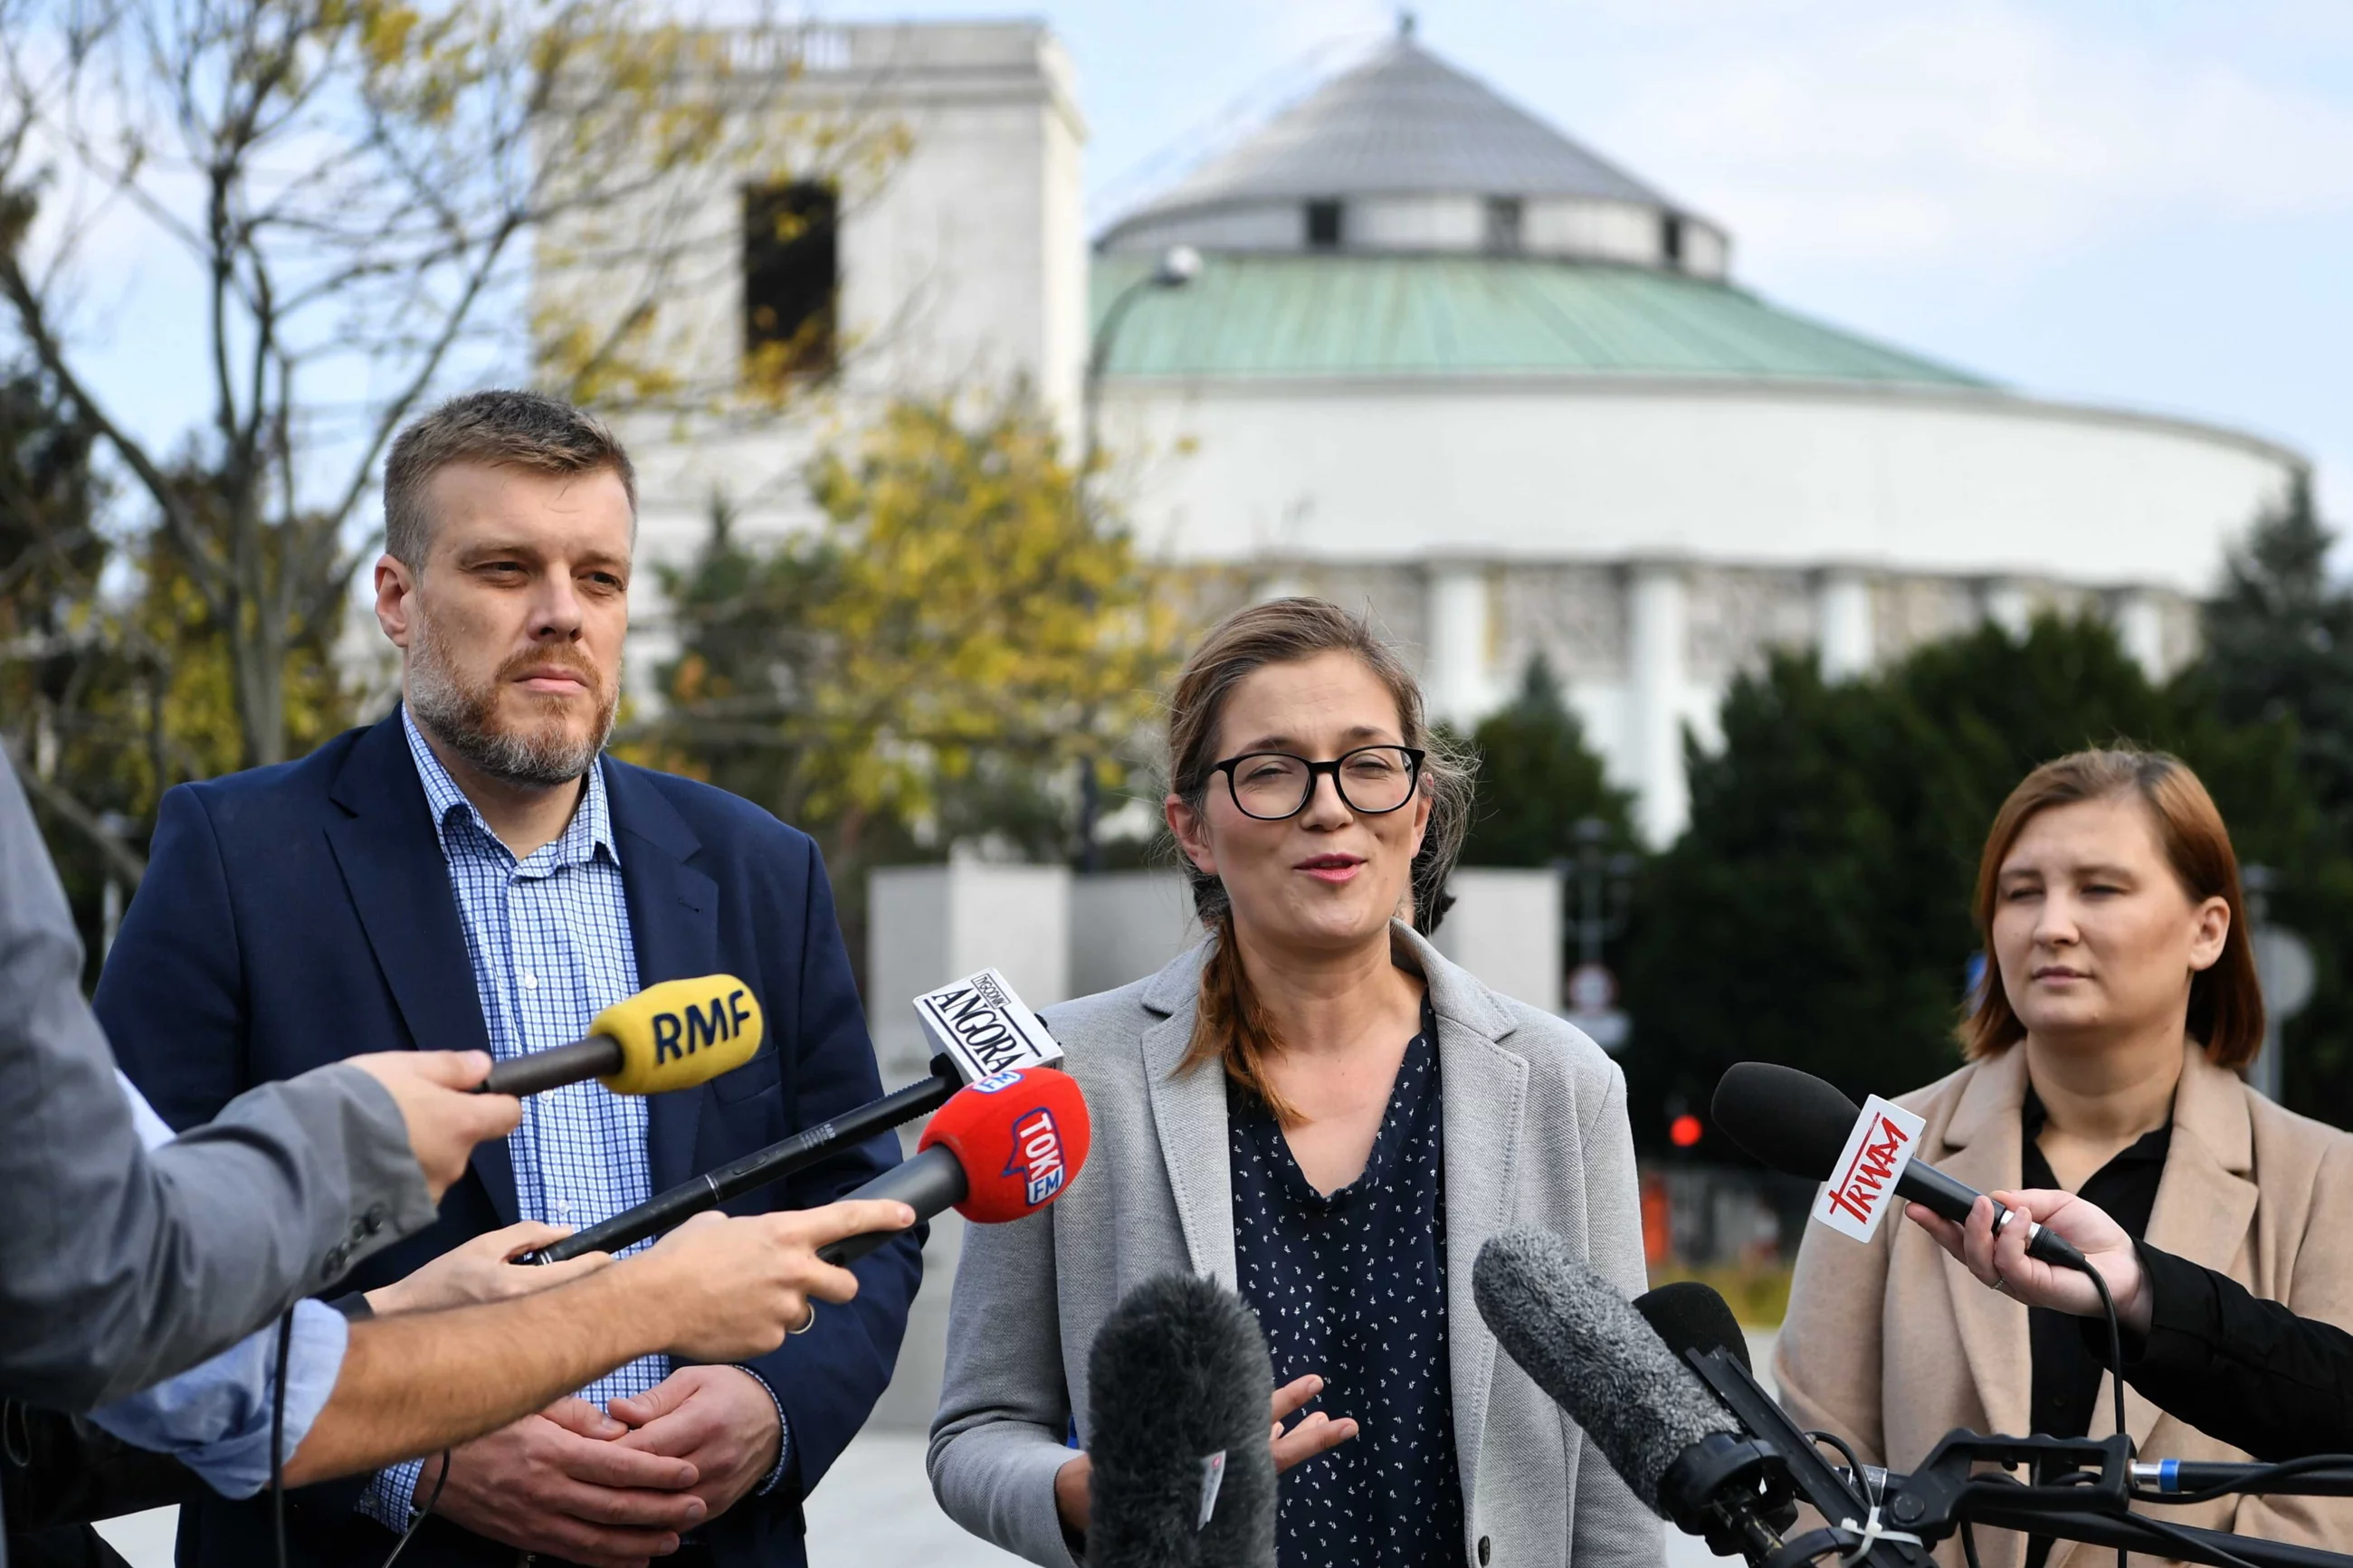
(1314, 1107)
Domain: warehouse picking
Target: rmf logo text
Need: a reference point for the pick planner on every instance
(676, 1036)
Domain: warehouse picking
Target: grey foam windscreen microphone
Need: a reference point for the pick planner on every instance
(1585, 1345)
(1179, 1390)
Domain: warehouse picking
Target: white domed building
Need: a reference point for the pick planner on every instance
(1440, 358)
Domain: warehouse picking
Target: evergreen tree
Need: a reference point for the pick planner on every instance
(1537, 779)
(2279, 645)
(2279, 648)
(1817, 912)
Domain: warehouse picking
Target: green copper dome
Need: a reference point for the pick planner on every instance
(1303, 315)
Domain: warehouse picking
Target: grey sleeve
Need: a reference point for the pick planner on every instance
(997, 1440)
(119, 1269)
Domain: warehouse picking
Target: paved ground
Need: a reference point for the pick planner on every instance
(874, 1511)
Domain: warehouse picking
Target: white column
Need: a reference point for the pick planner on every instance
(2140, 627)
(1655, 633)
(2004, 602)
(1844, 638)
(1455, 682)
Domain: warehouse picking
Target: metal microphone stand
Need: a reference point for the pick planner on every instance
(2080, 1488)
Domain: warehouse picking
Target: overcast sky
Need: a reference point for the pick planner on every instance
(2129, 201)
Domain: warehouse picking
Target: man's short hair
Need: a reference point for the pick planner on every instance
(499, 428)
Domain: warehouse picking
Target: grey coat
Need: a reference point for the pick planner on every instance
(1535, 1135)
(118, 1268)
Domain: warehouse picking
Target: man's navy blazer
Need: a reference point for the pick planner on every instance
(298, 914)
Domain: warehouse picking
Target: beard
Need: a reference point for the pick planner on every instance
(539, 750)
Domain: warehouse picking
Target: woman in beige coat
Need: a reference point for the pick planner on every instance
(2118, 1007)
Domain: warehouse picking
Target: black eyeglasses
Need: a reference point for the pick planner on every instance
(1371, 780)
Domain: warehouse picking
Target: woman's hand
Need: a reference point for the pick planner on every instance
(1313, 1436)
(484, 1269)
(2000, 1261)
(1074, 1482)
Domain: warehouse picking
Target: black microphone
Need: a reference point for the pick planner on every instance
(1178, 1387)
(1795, 1124)
(1691, 1319)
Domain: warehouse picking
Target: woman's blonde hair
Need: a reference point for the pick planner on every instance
(2226, 1001)
(1233, 1026)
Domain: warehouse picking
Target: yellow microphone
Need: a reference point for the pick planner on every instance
(677, 1035)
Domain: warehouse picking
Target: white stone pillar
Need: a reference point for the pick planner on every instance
(2140, 627)
(1656, 631)
(1844, 636)
(1455, 680)
(2004, 601)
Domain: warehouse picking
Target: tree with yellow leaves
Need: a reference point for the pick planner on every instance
(365, 191)
(938, 658)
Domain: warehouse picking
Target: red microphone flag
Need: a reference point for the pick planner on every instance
(1020, 1136)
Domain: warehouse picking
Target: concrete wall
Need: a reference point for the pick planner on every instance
(962, 254)
(1506, 928)
(931, 924)
(1125, 925)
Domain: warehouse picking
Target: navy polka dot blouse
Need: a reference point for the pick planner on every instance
(1352, 1286)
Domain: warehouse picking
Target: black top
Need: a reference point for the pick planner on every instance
(2067, 1371)
(1352, 1286)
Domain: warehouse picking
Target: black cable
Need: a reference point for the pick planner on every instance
(2115, 1358)
(1970, 1544)
(1853, 1464)
(2280, 1471)
(417, 1517)
(278, 1436)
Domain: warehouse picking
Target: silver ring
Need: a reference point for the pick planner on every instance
(807, 1323)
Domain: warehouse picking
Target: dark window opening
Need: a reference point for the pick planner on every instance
(1323, 226)
(790, 277)
(1670, 239)
(1504, 223)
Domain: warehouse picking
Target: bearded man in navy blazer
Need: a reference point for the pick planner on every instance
(473, 873)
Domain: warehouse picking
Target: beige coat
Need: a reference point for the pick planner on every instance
(1894, 1344)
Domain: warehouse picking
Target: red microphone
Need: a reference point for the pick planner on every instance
(1002, 1147)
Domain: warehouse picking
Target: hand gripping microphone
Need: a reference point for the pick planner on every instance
(1793, 1122)
(677, 1035)
(1179, 1385)
(1002, 1148)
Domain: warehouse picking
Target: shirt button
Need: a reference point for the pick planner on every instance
(529, 980)
(563, 1208)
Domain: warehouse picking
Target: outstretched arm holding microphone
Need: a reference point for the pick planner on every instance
(2198, 1343)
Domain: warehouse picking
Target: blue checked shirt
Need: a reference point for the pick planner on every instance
(549, 938)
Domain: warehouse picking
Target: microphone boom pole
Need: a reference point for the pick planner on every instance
(666, 1210)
